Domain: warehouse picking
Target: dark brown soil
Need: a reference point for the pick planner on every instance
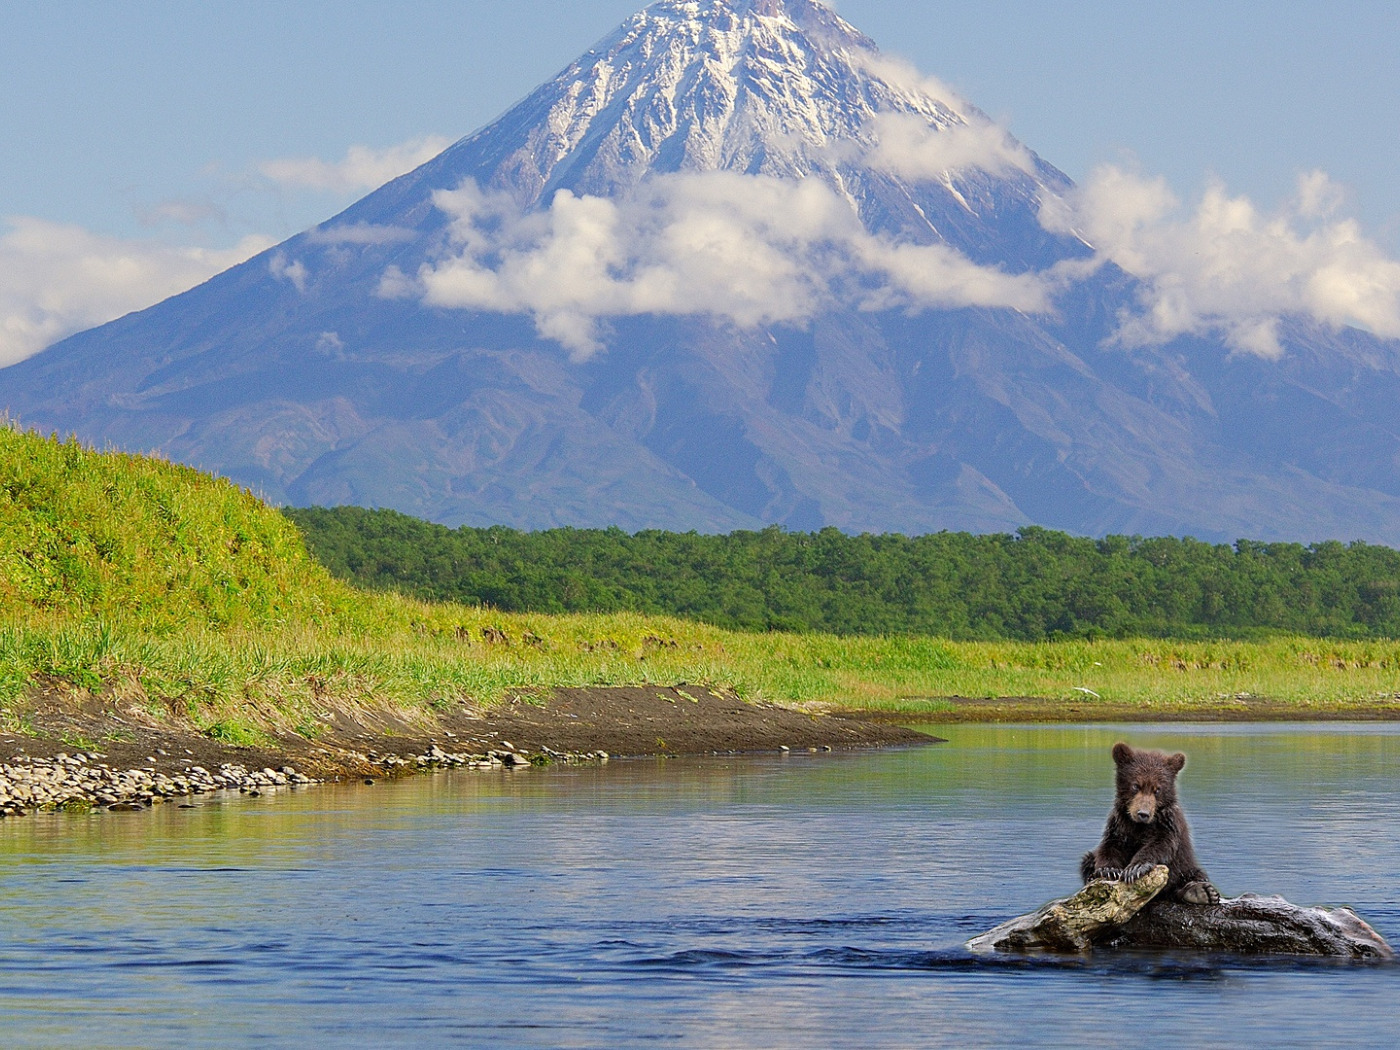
(683, 720)
(1038, 709)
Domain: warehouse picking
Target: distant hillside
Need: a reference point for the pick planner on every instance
(163, 545)
(167, 598)
(1031, 586)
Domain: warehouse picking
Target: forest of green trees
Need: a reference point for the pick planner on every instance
(1036, 584)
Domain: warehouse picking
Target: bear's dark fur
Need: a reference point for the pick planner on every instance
(1147, 828)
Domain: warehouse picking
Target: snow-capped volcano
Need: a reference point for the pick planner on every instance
(748, 162)
(733, 267)
(762, 87)
(777, 88)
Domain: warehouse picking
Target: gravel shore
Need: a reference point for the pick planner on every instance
(83, 781)
(85, 753)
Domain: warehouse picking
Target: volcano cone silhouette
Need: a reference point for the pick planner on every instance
(732, 267)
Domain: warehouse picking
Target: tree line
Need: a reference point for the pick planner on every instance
(1033, 585)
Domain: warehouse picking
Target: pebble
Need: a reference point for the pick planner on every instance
(75, 781)
(71, 782)
(497, 758)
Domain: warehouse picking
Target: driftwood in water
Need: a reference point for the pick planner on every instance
(1074, 923)
(1252, 925)
(1115, 915)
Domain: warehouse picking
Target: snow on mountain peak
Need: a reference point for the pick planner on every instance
(773, 87)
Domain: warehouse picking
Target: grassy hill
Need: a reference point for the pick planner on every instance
(133, 581)
(90, 534)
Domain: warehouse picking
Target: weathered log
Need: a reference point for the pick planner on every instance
(1116, 915)
(1074, 923)
(1252, 925)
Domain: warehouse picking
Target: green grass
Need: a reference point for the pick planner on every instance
(148, 543)
(186, 596)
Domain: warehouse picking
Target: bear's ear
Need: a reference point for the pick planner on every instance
(1122, 754)
(1177, 762)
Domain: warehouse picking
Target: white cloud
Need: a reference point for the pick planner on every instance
(910, 146)
(935, 277)
(181, 212)
(1228, 267)
(294, 271)
(362, 168)
(749, 249)
(918, 87)
(938, 132)
(57, 279)
(359, 233)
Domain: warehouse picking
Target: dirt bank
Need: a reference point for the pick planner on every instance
(684, 720)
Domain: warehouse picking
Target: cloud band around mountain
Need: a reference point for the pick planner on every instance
(1228, 268)
(749, 249)
(755, 250)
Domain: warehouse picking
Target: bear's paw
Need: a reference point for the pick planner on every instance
(1198, 893)
(1136, 871)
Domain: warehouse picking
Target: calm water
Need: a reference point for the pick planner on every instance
(757, 902)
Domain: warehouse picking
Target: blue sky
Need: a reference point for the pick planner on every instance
(195, 129)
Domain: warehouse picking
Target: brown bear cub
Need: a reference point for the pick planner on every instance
(1147, 828)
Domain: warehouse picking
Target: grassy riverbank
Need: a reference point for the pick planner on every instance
(420, 656)
(131, 581)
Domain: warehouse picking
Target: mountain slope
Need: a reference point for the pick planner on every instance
(856, 332)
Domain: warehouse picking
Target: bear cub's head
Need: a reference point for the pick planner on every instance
(1146, 781)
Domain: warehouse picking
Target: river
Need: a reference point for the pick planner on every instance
(803, 901)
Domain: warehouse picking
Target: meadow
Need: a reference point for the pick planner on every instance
(132, 579)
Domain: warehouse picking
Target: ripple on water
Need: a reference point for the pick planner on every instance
(730, 902)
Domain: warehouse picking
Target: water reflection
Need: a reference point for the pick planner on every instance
(798, 901)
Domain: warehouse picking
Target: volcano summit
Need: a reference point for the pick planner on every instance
(734, 266)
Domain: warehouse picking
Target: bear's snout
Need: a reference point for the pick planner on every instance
(1143, 808)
